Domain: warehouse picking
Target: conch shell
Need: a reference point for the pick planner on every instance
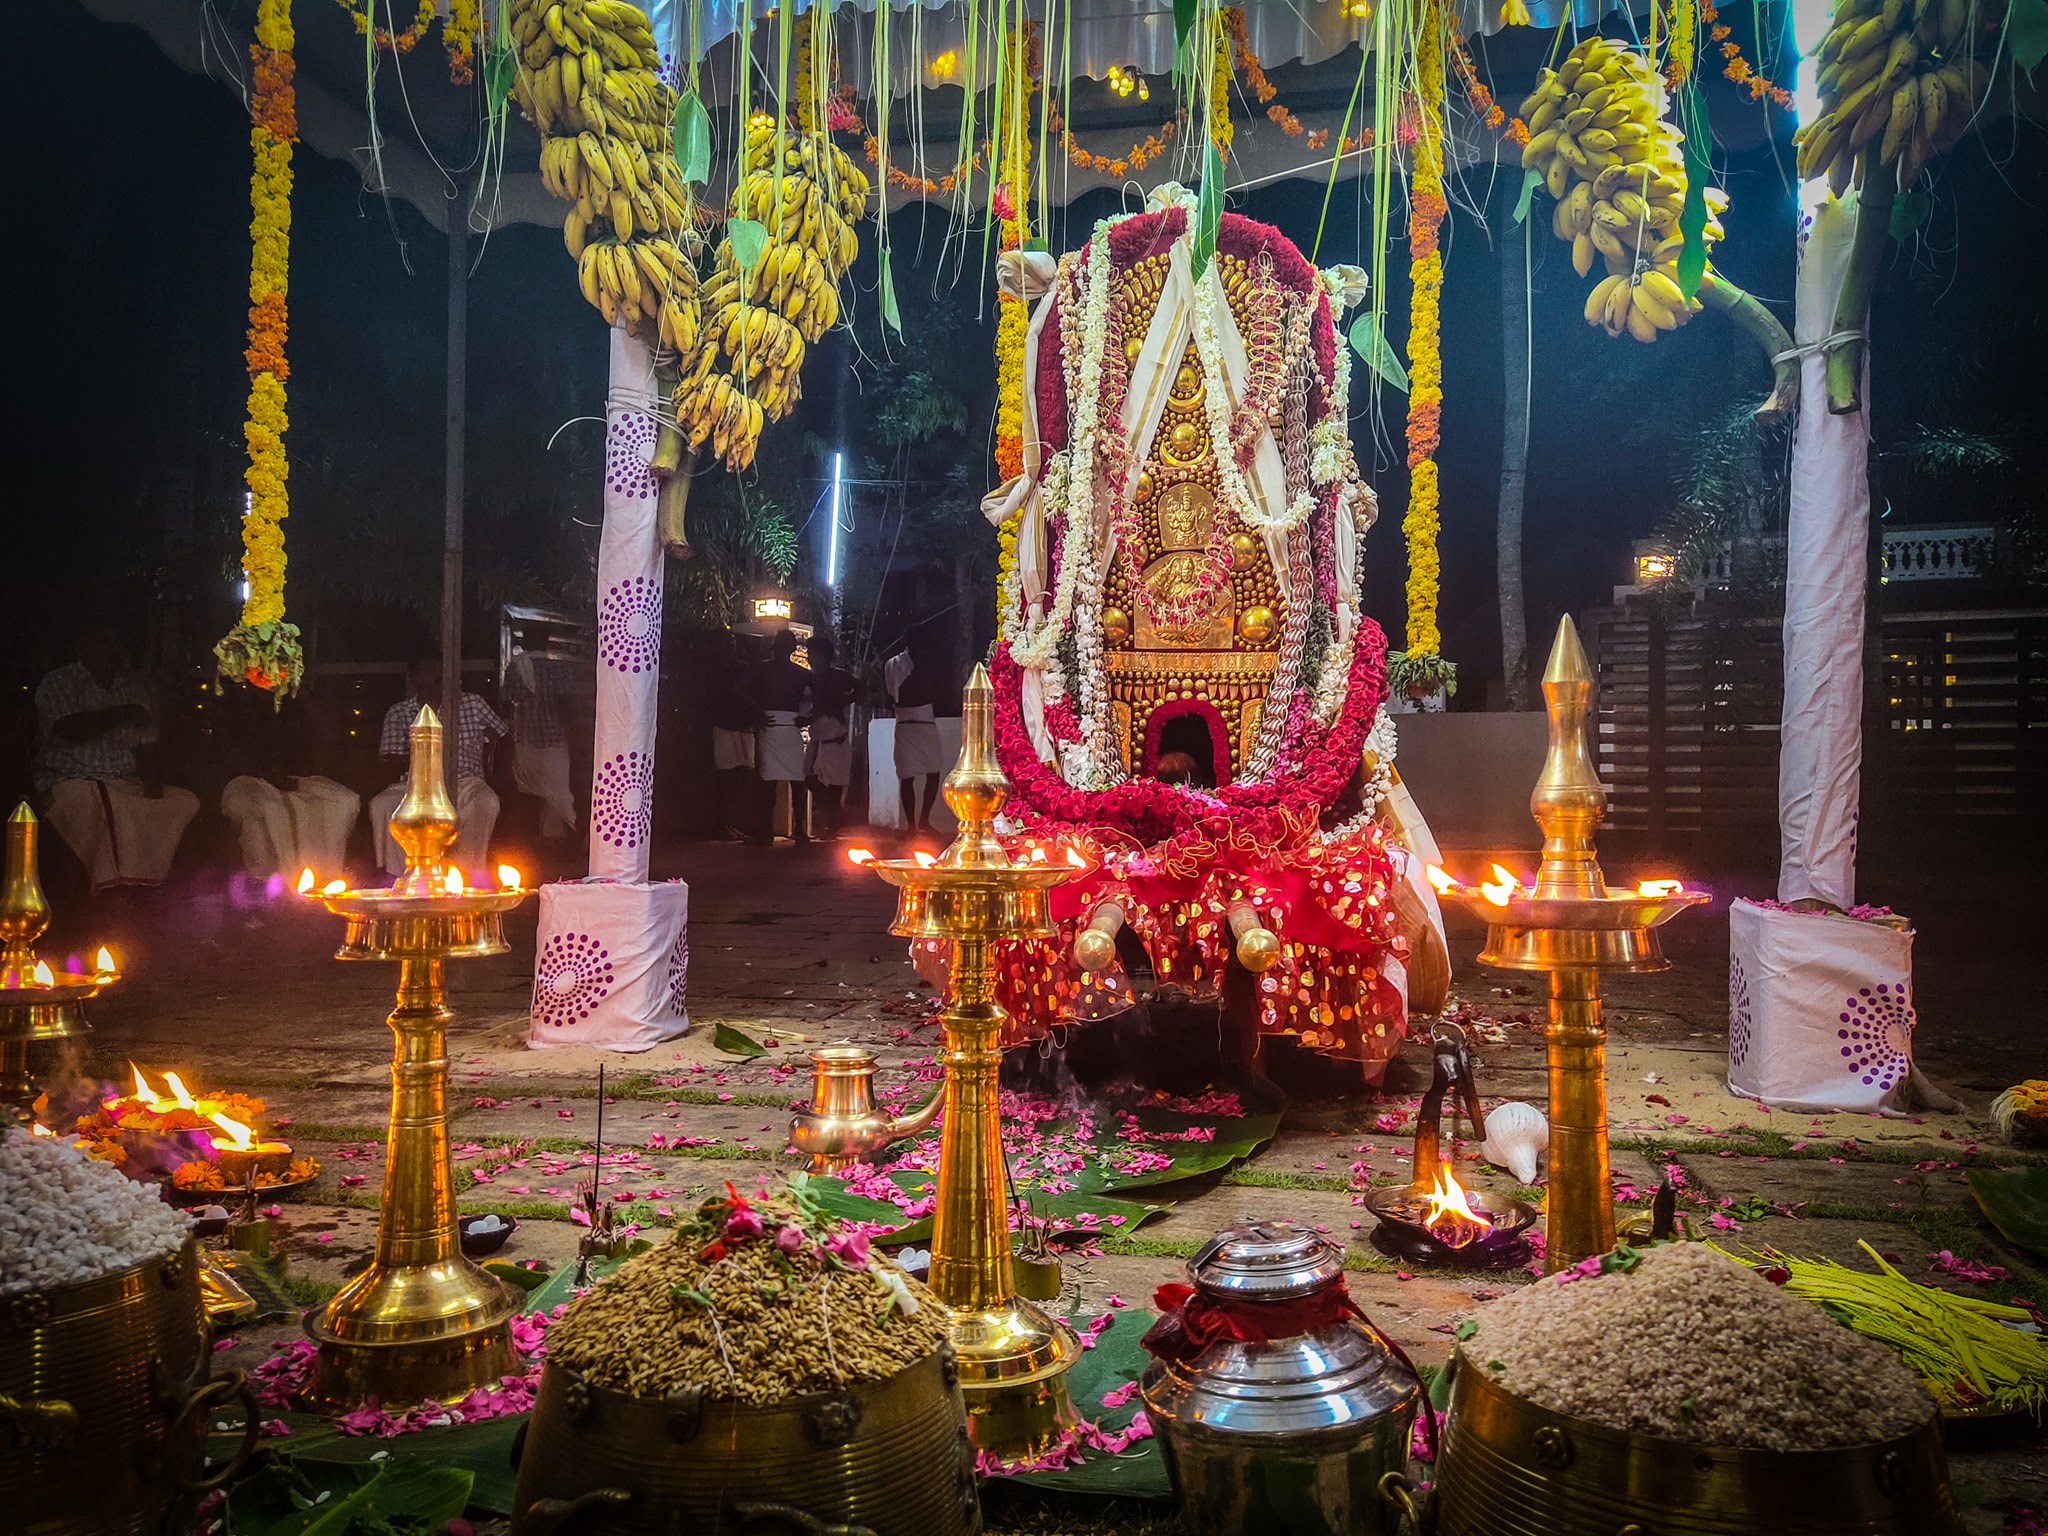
(1515, 1134)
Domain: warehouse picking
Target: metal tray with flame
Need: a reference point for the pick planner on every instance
(1453, 1226)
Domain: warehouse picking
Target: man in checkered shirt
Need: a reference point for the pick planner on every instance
(95, 768)
(476, 803)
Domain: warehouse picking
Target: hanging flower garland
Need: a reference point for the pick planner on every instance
(1737, 69)
(1221, 132)
(383, 37)
(458, 36)
(1013, 319)
(1426, 212)
(263, 649)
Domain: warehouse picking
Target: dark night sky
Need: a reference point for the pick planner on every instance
(129, 264)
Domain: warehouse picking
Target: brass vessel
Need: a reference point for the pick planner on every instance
(422, 1322)
(843, 1125)
(1013, 1357)
(1573, 925)
(106, 1399)
(1511, 1468)
(884, 1458)
(31, 1009)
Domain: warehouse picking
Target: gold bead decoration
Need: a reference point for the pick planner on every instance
(1116, 626)
(1255, 626)
(1244, 549)
(1132, 347)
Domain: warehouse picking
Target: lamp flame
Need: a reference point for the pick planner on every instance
(144, 1094)
(1037, 854)
(1451, 1219)
(1655, 888)
(1500, 888)
(452, 882)
(306, 881)
(40, 1129)
(1443, 881)
(103, 963)
(508, 877)
(239, 1138)
(1076, 858)
(924, 860)
(860, 856)
(179, 1096)
(44, 976)
(334, 888)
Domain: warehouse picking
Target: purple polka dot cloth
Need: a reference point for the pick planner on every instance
(1877, 1034)
(1739, 1021)
(621, 799)
(679, 976)
(629, 625)
(628, 455)
(572, 975)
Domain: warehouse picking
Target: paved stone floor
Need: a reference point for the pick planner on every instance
(791, 945)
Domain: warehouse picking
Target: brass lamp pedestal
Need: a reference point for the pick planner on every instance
(1573, 925)
(37, 1002)
(422, 1322)
(1013, 1357)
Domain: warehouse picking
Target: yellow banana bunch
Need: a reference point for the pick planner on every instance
(1617, 170)
(1899, 79)
(589, 78)
(758, 318)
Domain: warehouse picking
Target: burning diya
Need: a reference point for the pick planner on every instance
(150, 1130)
(422, 1321)
(1572, 924)
(38, 1001)
(1435, 1219)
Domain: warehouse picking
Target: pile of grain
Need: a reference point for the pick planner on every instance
(1692, 1346)
(66, 1219)
(786, 1326)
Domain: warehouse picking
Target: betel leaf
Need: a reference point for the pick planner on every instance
(1370, 342)
(1532, 179)
(1692, 217)
(1910, 210)
(734, 1041)
(501, 68)
(886, 295)
(2015, 1201)
(1183, 21)
(691, 137)
(1208, 211)
(749, 239)
(2026, 32)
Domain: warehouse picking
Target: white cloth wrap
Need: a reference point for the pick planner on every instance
(1820, 1010)
(121, 835)
(830, 760)
(918, 750)
(1820, 737)
(283, 831)
(629, 586)
(611, 968)
(779, 748)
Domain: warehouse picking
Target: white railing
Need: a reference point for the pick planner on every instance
(1927, 552)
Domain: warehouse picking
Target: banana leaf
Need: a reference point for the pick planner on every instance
(1116, 1360)
(482, 1452)
(691, 137)
(384, 1499)
(2015, 1201)
(734, 1041)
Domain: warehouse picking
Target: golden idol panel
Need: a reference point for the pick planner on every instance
(1186, 512)
(1171, 578)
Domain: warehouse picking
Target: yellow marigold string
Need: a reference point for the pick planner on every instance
(458, 36)
(263, 649)
(1221, 132)
(1013, 317)
(1426, 212)
(403, 42)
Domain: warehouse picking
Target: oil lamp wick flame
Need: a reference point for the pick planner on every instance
(103, 963)
(306, 881)
(1441, 879)
(44, 976)
(239, 1137)
(508, 877)
(1450, 1218)
(862, 856)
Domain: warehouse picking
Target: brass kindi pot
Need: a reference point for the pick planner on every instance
(106, 1397)
(843, 1124)
(881, 1458)
(1512, 1468)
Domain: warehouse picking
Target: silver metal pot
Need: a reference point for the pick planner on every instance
(1289, 1437)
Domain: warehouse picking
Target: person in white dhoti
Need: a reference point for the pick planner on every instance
(540, 743)
(779, 748)
(95, 768)
(476, 803)
(829, 765)
(733, 714)
(285, 821)
(912, 680)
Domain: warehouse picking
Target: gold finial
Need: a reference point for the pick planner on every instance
(976, 789)
(1568, 801)
(24, 914)
(424, 823)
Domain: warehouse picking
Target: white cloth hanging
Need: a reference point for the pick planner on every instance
(613, 965)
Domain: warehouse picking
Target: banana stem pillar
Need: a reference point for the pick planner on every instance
(1852, 305)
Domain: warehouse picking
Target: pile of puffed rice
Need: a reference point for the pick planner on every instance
(66, 1219)
(1689, 1345)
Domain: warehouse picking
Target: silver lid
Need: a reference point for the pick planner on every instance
(1266, 1261)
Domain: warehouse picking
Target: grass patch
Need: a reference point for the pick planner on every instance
(1777, 1145)
(320, 1130)
(1281, 1178)
(302, 1292)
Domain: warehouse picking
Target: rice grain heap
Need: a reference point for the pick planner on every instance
(66, 1219)
(759, 1299)
(1679, 1342)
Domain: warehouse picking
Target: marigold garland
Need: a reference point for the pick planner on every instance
(458, 36)
(403, 42)
(1426, 212)
(1488, 111)
(1738, 69)
(263, 649)
(1221, 131)
(1013, 318)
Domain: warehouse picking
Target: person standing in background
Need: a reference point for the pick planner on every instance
(540, 744)
(785, 696)
(476, 803)
(912, 679)
(286, 821)
(733, 713)
(829, 762)
(96, 768)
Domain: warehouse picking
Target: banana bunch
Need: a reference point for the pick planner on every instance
(759, 316)
(589, 79)
(1897, 74)
(1597, 133)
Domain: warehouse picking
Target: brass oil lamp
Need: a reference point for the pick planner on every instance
(1013, 1357)
(1573, 925)
(37, 1001)
(422, 1322)
(843, 1125)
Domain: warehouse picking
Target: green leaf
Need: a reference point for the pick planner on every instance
(309, 1499)
(1911, 209)
(2026, 32)
(1370, 343)
(501, 68)
(1692, 217)
(2015, 1201)
(749, 239)
(1208, 210)
(1532, 179)
(734, 1041)
(1116, 1360)
(886, 286)
(519, 1275)
(482, 1450)
(561, 1285)
(1183, 21)
(690, 138)
(1465, 1329)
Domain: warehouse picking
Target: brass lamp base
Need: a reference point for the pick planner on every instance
(1013, 1373)
(345, 1376)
